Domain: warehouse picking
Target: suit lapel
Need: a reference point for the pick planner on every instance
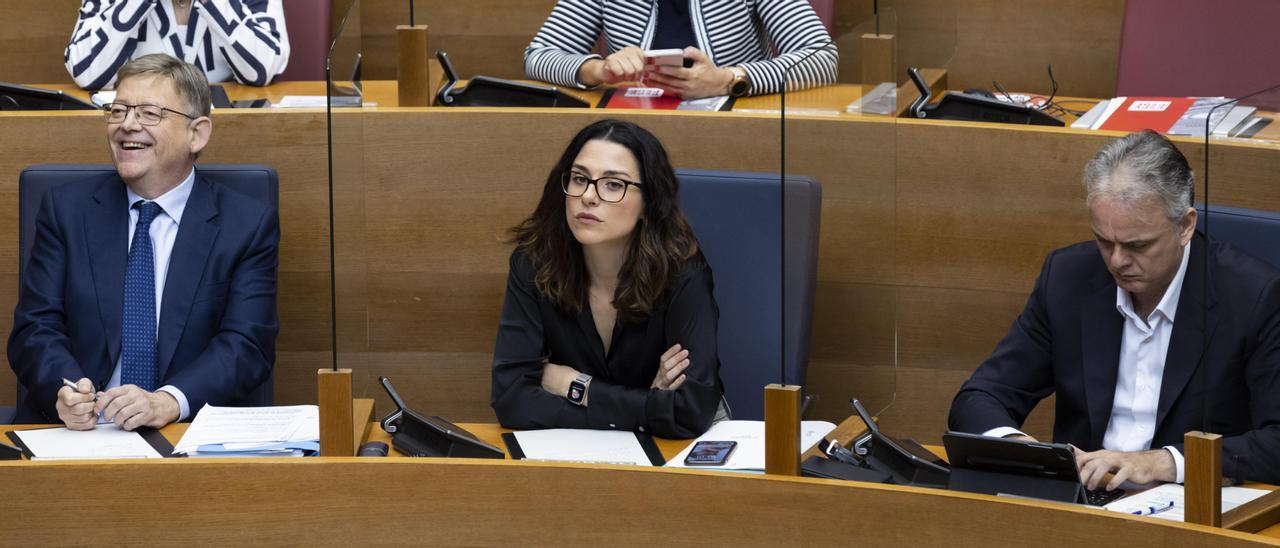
(1186, 343)
(1101, 328)
(106, 225)
(190, 252)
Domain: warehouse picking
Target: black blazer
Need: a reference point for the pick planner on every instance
(532, 329)
(217, 331)
(1067, 341)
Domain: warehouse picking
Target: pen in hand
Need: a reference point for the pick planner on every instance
(73, 386)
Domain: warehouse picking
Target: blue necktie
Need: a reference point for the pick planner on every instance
(138, 348)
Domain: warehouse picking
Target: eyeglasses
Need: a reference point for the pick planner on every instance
(609, 189)
(147, 115)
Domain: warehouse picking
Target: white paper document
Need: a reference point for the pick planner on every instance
(748, 456)
(106, 441)
(249, 428)
(1167, 501)
(303, 101)
(575, 445)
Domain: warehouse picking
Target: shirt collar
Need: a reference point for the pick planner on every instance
(172, 202)
(1168, 306)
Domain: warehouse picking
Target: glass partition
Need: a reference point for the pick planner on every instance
(346, 141)
(837, 201)
(342, 67)
(1234, 160)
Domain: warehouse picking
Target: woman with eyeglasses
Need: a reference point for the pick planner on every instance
(609, 321)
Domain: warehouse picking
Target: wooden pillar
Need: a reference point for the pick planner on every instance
(879, 59)
(1203, 453)
(337, 435)
(414, 75)
(782, 429)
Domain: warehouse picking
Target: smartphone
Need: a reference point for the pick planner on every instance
(666, 58)
(710, 453)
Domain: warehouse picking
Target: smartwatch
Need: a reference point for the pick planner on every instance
(578, 389)
(741, 82)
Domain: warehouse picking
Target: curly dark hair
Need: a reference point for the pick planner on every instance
(657, 250)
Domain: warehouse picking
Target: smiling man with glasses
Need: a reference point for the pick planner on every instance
(152, 290)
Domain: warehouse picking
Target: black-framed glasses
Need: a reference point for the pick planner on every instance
(148, 115)
(609, 189)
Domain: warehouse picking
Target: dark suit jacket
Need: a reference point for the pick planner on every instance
(217, 330)
(1067, 341)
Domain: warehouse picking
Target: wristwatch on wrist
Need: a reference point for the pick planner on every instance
(741, 82)
(578, 389)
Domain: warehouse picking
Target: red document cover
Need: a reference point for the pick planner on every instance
(1156, 113)
(633, 97)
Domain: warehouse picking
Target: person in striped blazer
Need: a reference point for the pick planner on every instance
(244, 40)
(738, 47)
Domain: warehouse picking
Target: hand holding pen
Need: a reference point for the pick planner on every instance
(76, 404)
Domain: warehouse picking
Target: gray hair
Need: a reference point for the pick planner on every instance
(192, 85)
(1141, 166)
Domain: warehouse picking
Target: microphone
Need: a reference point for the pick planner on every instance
(836, 452)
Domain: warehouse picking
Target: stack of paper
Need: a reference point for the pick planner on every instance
(1167, 501)
(748, 456)
(252, 432)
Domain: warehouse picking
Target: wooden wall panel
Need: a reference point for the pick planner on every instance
(33, 37)
(1014, 41)
(482, 36)
(932, 235)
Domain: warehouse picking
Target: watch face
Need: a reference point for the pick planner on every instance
(575, 392)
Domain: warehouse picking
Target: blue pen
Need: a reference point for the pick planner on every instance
(1153, 510)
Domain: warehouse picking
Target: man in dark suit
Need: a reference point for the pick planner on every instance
(152, 291)
(1117, 329)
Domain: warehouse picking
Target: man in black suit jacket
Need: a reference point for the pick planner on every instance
(149, 325)
(1117, 329)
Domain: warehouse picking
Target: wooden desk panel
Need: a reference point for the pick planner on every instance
(485, 502)
(932, 234)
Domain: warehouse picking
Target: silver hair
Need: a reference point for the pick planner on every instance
(1138, 167)
(190, 81)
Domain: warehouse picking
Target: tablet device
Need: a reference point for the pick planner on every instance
(984, 464)
(1011, 456)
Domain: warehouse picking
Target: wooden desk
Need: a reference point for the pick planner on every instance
(489, 502)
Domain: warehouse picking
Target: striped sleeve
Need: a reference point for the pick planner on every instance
(565, 42)
(807, 55)
(105, 37)
(250, 35)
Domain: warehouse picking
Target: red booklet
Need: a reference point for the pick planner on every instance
(633, 97)
(1155, 113)
(654, 98)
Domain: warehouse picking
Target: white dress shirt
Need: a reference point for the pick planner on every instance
(1144, 345)
(164, 232)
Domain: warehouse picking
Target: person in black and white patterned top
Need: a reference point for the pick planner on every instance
(244, 40)
(743, 47)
